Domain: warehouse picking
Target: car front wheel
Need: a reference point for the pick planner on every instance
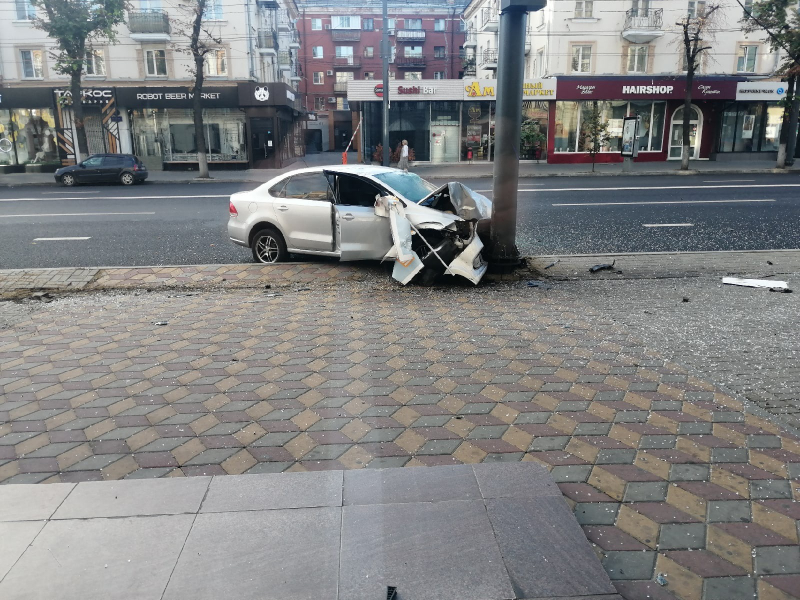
(68, 179)
(269, 247)
(127, 179)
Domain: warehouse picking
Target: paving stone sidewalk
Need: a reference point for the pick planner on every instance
(667, 474)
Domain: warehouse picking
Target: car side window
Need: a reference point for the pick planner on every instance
(276, 191)
(354, 191)
(94, 161)
(309, 186)
(114, 162)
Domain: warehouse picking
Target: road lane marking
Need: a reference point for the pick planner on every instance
(657, 202)
(116, 198)
(78, 215)
(667, 224)
(672, 187)
(73, 192)
(730, 181)
(60, 239)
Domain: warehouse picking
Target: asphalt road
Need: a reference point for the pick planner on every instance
(169, 224)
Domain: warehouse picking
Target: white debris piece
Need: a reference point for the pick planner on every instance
(755, 283)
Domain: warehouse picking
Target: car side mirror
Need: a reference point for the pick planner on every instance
(82, 166)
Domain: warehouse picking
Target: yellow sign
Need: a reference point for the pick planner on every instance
(537, 89)
(475, 90)
(530, 89)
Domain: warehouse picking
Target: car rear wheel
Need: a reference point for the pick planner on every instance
(269, 247)
(68, 179)
(127, 179)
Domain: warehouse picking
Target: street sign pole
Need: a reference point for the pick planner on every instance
(386, 52)
(503, 251)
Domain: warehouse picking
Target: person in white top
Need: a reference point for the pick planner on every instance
(403, 164)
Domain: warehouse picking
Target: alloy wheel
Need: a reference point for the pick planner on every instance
(267, 249)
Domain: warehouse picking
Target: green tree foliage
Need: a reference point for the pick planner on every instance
(74, 26)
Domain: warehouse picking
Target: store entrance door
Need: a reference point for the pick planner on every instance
(445, 142)
(676, 134)
(262, 143)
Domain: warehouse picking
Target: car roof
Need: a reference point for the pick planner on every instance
(370, 170)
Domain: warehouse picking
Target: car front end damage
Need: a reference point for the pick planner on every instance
(439, 235)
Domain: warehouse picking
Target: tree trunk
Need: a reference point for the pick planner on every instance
(791, 145)
(687, 117)
(81, 145)
(784, 139)
(199, 130)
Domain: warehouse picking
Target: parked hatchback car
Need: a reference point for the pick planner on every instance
(104, 168)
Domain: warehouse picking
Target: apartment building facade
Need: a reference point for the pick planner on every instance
(342, 43)
(627, 56)
(137, 92)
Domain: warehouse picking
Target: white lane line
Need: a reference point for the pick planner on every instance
(78, 214)
(490, 191)
(667, 224)
(117, 198)
(60, 239)
(657, 202)
(730, 181)
(73, 192)
(672, 187)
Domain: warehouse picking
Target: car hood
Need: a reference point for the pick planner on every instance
(468, 203)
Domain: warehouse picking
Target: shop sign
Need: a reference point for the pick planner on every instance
(415, 90)
(88, 95)
(422, 89)
(174, 97)
(760, 90)
(26, 97)
(264, 94)
(486, 89)
(643, 89)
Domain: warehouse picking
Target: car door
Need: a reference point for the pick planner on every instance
(304, 212)
(111, 168)
(360, 233)
(89, 171)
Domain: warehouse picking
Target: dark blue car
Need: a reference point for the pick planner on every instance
(104, 168)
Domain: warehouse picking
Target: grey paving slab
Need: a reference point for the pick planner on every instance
(260, 555)
(541, 543)
(274, 491)
(430, 551)
(131, 498)
(16, 537)
(125, 559)
(514, 480)
(386, 486)
(31, 503)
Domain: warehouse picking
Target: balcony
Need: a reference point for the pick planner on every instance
(284, 24)
(410, 62)
(410, 35)
(643, 25)
(489, 59)
(490, 20)
(346, 35)
(267, 42)
(340, 87)
(149, 25)
(284, 60)
(294, 40)
(470, 38)
(270, 4)
(347, 62)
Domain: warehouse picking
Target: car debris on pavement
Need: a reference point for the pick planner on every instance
(778, 286)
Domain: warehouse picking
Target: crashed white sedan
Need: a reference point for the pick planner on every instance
(363, 212)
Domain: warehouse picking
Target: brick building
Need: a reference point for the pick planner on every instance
(341, 41)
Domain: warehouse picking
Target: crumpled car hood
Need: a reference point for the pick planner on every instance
(468, 203)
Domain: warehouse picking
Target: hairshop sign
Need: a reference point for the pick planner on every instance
(630, 88)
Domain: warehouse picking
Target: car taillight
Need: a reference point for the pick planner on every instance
(232, 210)
(135, 167)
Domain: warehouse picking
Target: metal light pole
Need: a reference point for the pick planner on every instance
(386, 51)
(508, 120)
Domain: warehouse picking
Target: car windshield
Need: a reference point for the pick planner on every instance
(412, 187)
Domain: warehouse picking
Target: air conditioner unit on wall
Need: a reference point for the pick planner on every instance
(331, 100)
(330, 73)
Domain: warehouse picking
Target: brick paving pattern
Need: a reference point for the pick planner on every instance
(667, 474)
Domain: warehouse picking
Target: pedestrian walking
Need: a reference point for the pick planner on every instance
(403, 164)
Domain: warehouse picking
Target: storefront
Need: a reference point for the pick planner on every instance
(752, 124)
(658, 103)
(447, 120)
(27, 129)
(276, 133)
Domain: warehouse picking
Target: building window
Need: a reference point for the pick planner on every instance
(368, 24)
(342, 104)
(438, 51)
(413, 51)
(637, 59)
(581, 59)
(345, 53)
(748, 8)
(438, 24)
(369, 75)
(319, 102)
(369, 52)
(413, 24)
(640, 8)
(32, 65)
(95, 63)
(316, 24)
(156, 63)
(213, 10)
(415, 75)
(438, 75)
(25, 10)
(391, 24)
(697, 8)
(319, 77)
(583, 9)
(345, 22)
(462, 26)
(216, 63)
(316, 52)
(391, 76)
(746, 61)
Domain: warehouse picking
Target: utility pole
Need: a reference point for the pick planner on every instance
(503, 251)
(385, 45)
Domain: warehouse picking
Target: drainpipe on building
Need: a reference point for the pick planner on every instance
(250, 43)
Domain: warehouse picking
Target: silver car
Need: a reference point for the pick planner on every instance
(364, 212)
